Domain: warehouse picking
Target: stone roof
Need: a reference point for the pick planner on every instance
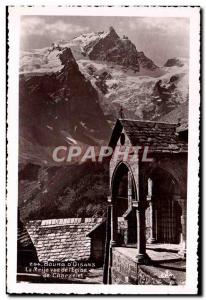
(23, 237)
(98, 228)
(62, 239)
(158, 136)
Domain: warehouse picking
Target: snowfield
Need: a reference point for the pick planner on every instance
(134, 92)
(117, 85)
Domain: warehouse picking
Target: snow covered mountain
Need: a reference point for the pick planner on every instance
(101, 46)
(58, 103)
(144, 95)
(120, 74)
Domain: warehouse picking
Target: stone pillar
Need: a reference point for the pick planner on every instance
(182, 251)
(151, 211)
(109, 273)
(107, 252)
(152, 239)
(129, 190)
(114, 222)
(129, 197)
(141, 256)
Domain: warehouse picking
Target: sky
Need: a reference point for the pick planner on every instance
(159, 38)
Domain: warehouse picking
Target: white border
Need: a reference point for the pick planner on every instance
(2, 147)
(193, 164)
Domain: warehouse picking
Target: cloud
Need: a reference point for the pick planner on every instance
(159, 37)
(56, 30)
(170, 26)
(31, 25)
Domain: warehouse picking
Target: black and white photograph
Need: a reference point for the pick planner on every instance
(103, 178)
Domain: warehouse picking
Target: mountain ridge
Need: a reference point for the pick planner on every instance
(101, 46)
(60, 104)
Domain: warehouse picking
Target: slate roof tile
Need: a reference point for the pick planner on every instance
(158, 136)
(62, 239)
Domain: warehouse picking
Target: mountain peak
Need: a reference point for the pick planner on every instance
(109, 47)
(47, 60)
(113, 34)
(112, 30)
(67, 58)
(174, 62)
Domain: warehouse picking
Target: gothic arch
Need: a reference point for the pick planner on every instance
(114, 176)
(176, 173)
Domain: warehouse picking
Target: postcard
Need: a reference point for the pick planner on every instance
(103, 147)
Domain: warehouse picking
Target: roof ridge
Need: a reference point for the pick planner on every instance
(64, 221)
(146, 121)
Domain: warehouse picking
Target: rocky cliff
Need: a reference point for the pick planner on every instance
(145, 95)
(109, 47)
(171, 62)
(57, 102)
(58, 106)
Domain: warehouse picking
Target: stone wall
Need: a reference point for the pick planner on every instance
(126, 271)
